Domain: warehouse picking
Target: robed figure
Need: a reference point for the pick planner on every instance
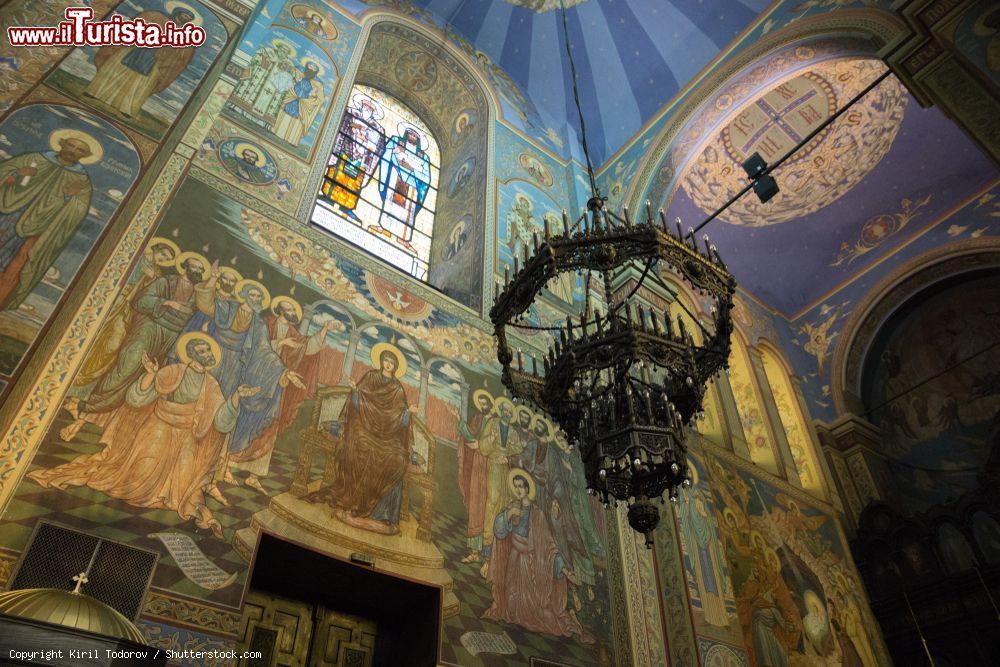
(528, 574)
(376, 447)
(404, 179)
(356, 153)
(43, 199)
(472, 472)
(162, 451)
(127, 76)
(300, 105)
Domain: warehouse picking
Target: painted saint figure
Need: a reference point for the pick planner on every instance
(164, 448)
(706, 559)
(472, 472)
(43, 199)
(404, 179)
(300, 105)
(499, 443)
(528, 574)
(356, 152)
(127, 76)
(377, 446)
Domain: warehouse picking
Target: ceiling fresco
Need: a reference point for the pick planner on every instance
(866, 186)
(640, 52)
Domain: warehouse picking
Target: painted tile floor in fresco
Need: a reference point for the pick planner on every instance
(93, 511)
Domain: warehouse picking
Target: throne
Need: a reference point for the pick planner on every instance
(324, 435)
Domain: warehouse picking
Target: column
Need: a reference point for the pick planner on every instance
(352, 350)
(774, 424)
(731, 416)
(850, 445)
(422, 399)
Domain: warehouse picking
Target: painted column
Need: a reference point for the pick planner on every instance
(731, 418)
(826, 476)
(422, 400)
(352, 350)
(774, 424)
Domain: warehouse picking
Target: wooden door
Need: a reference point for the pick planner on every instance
(281, 629)
(341, 640)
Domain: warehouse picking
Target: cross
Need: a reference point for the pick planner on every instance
(80, 580)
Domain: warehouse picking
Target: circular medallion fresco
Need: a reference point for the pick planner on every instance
(416, 70)
(819, 174)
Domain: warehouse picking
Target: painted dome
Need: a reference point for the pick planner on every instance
(69, 609)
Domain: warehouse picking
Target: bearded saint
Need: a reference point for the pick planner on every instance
(300, 106)
(127, 76)
(472, 468)
(43, 199)
(498, 442)
(162, 451)
(528, 575)
(375, 451)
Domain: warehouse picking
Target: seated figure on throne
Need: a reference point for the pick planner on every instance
(376, 448)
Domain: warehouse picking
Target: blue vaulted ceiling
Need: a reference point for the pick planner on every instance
(640, 53)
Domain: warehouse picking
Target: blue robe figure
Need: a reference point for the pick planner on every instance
(404, 179)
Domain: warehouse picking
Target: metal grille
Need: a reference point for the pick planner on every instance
(118, 574)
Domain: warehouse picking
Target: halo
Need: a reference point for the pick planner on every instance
(291, 47)
(456, 230)
(377, 351)
(539, 419)
(264, 302)
(183, 341)
(693, 473)
(171, 5)
(515, 472)
(286, 299)
(520, 410)
(190, 254)
(479, 393)
(403, 126)
(243, 145)
(309, 59)
(729, 512)
(159, 240)
(229, 270)
(359, 97)
(503, 400)
(96, 150)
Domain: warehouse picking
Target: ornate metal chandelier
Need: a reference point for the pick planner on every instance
(623, 384)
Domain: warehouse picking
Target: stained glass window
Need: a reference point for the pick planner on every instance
(380, 184)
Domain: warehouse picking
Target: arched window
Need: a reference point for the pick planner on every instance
(792, 420)
(751, 408)
(380, 187)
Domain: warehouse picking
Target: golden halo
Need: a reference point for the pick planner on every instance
(243, 145)
(377, 351)
(275, 43)
(728, 512)
(319, 66)
(503, 400)
(183, 341)
(479, 393)
(231, 271)
(264, 302)
(159, 240)
(171, 5)
(190, 254)
(693, 473)
(767, 556)
(286, 299)
(515, 472)
(539, 419)
(96, 150)
(754, 536)
(520, 410)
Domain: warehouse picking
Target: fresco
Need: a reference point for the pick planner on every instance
(941, 432)
(797, 594)
(753, 417)
(977, 37)
(63, 174)
(221, 362)
(143, 88)
(285, 83)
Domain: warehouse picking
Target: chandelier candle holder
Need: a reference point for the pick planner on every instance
(623, 384)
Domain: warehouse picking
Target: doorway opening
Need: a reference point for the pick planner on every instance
(305, 608)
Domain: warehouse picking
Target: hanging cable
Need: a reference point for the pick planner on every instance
(579, 108)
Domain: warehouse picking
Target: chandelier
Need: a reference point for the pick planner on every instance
(625, 383)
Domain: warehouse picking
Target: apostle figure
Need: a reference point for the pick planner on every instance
(376, 448)
(298, 354)
(160, 254)
(300, 105)
(528, 575)
(472, 472)
(162, 311)
(43, 199)
(270, 74)
(404, 179)
(127, 76)
(498, 443)
(704, 555)
(164, 447)
(356, 152)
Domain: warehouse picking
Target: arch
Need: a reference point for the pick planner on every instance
(885, 297)
(793, 420)
(439, 83)
(750, 405)
(849, 32)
